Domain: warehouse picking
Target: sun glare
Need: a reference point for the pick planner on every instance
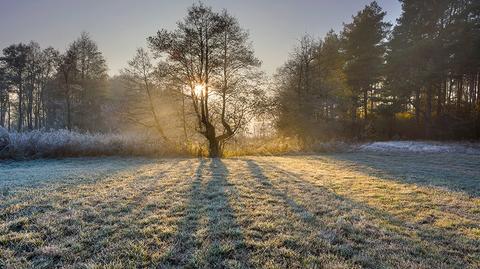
(199, 90)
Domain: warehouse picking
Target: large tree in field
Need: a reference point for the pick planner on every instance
(209, 54)
(364, 49)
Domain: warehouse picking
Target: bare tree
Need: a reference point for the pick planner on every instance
(67, 69)
(48, 60)
(210, 55)
(140, 75)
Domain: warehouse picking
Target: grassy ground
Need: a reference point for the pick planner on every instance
(347, 210)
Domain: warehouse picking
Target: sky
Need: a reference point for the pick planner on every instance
(121, 26)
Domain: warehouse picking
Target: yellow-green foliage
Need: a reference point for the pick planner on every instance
(262, 146)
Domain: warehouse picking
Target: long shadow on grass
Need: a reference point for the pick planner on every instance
(258, 174)
(453, 171)
(185, 243)
(69, 227)
(61, 178)
(120, 216)
(227, 248)
(66, 172)
(350, 241)
(223, 246)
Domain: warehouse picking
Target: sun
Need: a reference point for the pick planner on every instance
(199, 90)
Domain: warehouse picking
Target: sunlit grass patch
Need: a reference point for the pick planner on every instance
(250, 212)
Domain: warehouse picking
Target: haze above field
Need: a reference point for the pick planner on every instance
(120, 27)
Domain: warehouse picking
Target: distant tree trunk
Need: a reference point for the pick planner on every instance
(441, 97)
(30, 108)
(68, 102)
(156, 119)
(20, 107)
(9, 116)
(428, 112)
(459, 93)
(354, 109)
(69, 114)
(449, 94)
(3, 106)
(38, 102)
(417, 107)
(365, 102)
(472, 93)
(184, 119)
(44, 110)
(477, 108)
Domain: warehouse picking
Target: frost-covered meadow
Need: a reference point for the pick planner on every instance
(340, 210)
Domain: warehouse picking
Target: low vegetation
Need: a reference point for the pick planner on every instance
(64, 143)
(348, 210)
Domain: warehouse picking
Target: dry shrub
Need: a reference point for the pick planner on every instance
(271, 146)
(262, 146)
(64, 143)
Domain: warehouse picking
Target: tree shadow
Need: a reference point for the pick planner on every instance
(223, 244)
(54, 181)
(374, 244)
(258, 174)
(69, 172)
(453, 171)
(129, 210)
(227, 247)
(185, 242)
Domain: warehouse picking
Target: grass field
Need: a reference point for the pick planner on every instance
(348, 210)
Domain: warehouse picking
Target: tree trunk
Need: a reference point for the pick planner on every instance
(2, 109)
(184, 119)
(69, 116)
(428, 112)
(441, 97)
(214, 148)
(213, 142)
(472, 91)
(20, 107)
(68, 106)
(459, 93)
(365, 102)
(9, 116)
(30, 109)
(417, 107)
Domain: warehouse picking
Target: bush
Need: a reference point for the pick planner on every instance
(282, 145)
(64, 143)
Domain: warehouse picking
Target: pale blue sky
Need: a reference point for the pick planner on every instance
(120, 26)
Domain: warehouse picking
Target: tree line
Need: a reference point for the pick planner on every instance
(418, 79)
(43, 88)
(201, 82)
